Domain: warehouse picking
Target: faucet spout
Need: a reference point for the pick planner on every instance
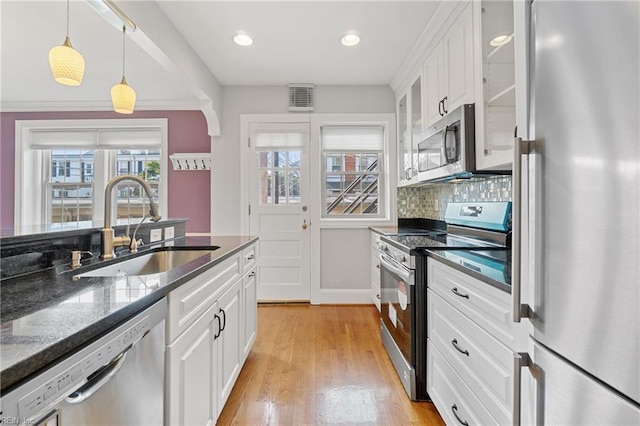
(109, 241)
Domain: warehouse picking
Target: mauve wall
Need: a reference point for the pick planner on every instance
(189, 192)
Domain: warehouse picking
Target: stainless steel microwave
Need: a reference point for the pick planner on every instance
(447, 149)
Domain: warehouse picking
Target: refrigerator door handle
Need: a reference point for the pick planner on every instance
(520, 360)
(521, 148)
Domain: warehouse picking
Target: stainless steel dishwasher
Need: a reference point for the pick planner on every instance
(116, 380)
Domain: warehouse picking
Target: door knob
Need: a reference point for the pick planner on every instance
(304, 224)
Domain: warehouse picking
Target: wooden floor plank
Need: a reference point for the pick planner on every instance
(321, 365)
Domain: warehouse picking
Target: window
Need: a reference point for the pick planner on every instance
(352, 172)
(66, 165)
(69, 188)
(279, 174)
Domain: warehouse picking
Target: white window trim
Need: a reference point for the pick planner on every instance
(386, 214)
(29, 203)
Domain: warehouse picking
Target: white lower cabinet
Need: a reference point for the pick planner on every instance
(471, 343)
(250, 304)
(227, 343)
(453, 399)
(375, 269)
(190, 362)
(211, 327)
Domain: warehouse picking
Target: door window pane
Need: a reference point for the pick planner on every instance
(279, 176)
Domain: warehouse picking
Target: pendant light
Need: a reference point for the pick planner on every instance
(67, 64)
(123, 96)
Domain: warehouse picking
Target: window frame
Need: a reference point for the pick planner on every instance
(380, 173)
(30, 199)
(386, 194)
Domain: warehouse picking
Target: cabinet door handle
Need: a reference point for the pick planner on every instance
(378, 266)
(457, 293)
(378, 296)
(440, 105)
(454, 342)
(224, 320)
(217, 317)
(454, 409)
(444, 106)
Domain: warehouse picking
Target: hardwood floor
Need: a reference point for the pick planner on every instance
(321, 365)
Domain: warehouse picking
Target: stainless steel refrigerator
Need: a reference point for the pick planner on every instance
(578, 179)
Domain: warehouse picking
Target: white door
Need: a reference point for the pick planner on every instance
(279, 209)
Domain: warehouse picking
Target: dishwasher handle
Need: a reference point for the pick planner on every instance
(99, 379)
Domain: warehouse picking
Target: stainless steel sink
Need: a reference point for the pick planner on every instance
(151, 263)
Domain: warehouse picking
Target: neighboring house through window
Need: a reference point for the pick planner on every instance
(352, 172)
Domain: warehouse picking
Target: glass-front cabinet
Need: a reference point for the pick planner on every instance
(410, 128)
(416, 124)
(495, 84)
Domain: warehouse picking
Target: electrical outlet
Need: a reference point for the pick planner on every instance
(156, 235)
(168, 233)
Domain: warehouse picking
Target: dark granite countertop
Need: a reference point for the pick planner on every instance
(385, 230)
(490, 266)
(45, 315)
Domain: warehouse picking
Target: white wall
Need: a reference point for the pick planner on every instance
(225, 186)
(336, 287)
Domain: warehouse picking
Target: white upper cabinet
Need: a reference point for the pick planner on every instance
(449, 69)
(495, 84)
(458, 57)
(410, 128)
(404, 140)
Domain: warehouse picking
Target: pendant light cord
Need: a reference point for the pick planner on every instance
(67, 18)
(124, 30)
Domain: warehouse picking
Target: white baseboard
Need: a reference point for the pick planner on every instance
(345, 296)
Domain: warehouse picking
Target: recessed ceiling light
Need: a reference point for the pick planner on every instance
(350, 39)
(500, 40)
(242, 39)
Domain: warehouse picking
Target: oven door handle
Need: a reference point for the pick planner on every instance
(401, 272)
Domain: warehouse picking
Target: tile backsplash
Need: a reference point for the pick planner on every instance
(421, 201)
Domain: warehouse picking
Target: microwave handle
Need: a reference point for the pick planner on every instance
(449, 159)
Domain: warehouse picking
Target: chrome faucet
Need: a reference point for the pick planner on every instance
(109, 240)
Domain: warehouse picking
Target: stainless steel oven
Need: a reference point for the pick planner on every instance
(403, 281)
(402, 302)
(448, 148)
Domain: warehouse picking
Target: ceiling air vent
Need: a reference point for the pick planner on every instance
(301, 97)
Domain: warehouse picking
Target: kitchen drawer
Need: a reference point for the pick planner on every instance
(249, 258)
(447, 390)
(485, 305)
(192, 299)
(481, 361)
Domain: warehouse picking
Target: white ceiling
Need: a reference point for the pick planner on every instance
(294, 42)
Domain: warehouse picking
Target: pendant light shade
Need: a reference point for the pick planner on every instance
(67, 64)
(123, 97)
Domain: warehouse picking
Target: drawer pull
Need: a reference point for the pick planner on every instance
(252, 274)
(454, 409)
(454, 342)
(378, 266)
(457, 293)
(251, 257)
